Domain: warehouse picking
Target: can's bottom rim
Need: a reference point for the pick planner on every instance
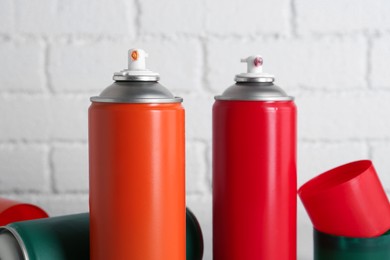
(18, 238)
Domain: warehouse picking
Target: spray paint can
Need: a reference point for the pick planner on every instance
(12, 211)
(327, 246)
(254, 169)
(194, 238)
(59, 238)
(67, 238)
(137, 168)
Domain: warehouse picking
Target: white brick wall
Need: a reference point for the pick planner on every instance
(342, 16)
(27, 70)
(100, 17)
(171, 16)
(70, 163)
(331, 63)
(24, 168)
(7, 21)
(332, 55)
(237, 17)
(380, 56)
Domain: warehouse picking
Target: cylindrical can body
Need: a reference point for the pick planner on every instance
(59, 238)
(194, 238)
(254, 180)
(137, 182)
(347, 201)
(67, 238)
(330, 247)
(12, 211)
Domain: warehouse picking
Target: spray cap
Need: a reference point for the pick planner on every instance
(254, 71)
(136, 70)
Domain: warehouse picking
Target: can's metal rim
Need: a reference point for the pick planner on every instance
(126, 77)
(239, 78)
(18, 239)
(221, 97)
(137, 100)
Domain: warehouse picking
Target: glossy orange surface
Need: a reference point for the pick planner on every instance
(137, 181)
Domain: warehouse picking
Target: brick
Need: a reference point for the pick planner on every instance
(251, 17)
(70, 164)
(172, 16)
(43, 118)
(380, 159)
(201, 206)
(316, 158)
(85, 67)
(23, 168)
(89, 67)
(24, 117)
(342, 116)
(7, 19)
(196, 170)
(24, 68)
(342, 16)
(69, 117)
(380, 77)
(329, 63)
(179, 63)
(76, 17)
(198, 116)
(63, 204)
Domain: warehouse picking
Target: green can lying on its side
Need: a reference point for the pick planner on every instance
(67, 238)
(329, 247)
(60, 238)
(194, 238)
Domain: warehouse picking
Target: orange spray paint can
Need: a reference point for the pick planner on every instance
(137, 168)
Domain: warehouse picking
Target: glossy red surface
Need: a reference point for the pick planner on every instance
(348, 201)
(13, 211)
(254, 180)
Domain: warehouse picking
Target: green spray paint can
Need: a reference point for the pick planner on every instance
(67, 238)
(330, 247)
(58, 238)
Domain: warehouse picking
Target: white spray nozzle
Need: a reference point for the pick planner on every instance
(137, 59)
(254, 64)
(136, 70)
(254, 71)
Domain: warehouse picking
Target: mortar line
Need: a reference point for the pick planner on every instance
(21, 142)
(48, 79)
(369, 149)
(209, 166)
(368, 71)
(293, 19)
(204, 65)
(52, 181)
(138, 10)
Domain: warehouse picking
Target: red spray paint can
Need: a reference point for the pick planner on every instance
(136, 155)
(254, 169)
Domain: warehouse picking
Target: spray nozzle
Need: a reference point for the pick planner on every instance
(254, 71)
(136, 70)
(137, 59)
(254, 64)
